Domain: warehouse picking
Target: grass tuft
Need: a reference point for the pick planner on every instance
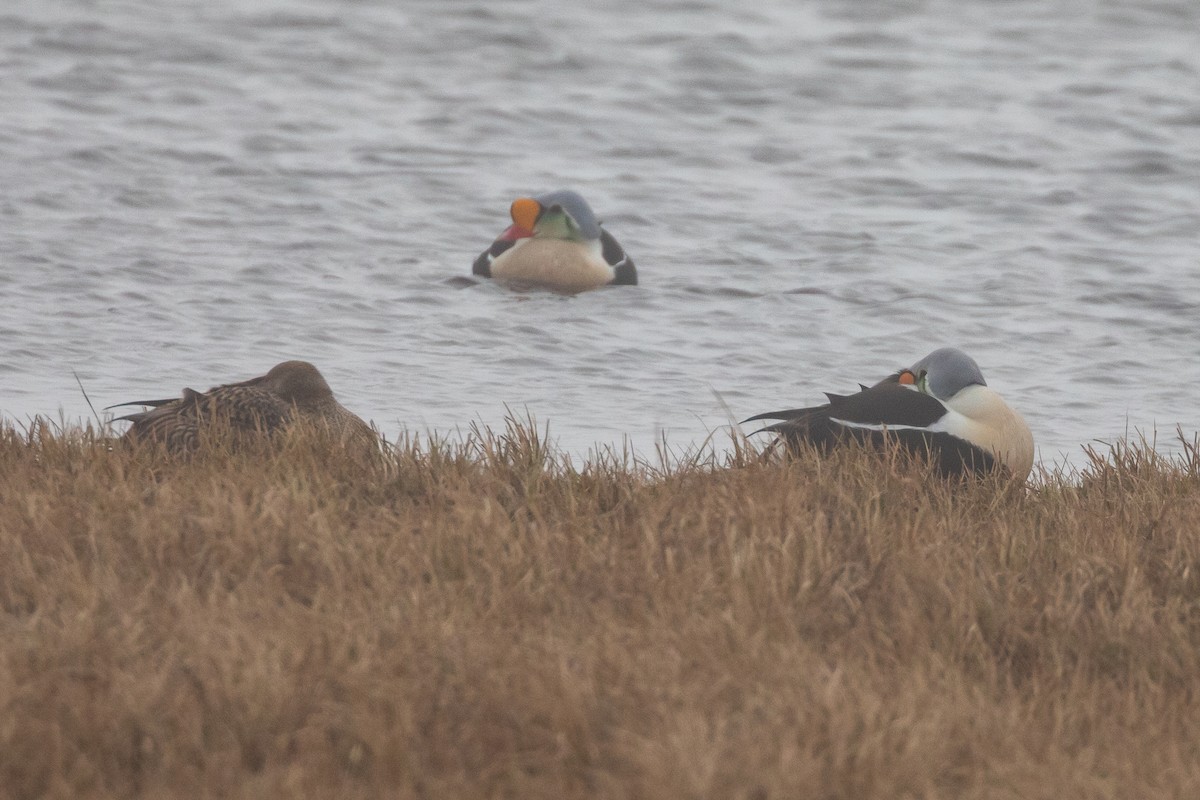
(488, 617)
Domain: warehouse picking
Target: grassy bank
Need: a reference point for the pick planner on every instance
(482, 620)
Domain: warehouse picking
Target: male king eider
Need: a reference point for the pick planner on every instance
(290, 391)
(556, 242)
(940, 406)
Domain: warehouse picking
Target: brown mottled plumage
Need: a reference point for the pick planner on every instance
(291, 391)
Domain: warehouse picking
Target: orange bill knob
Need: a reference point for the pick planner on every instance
(525, 211)
(907, 378)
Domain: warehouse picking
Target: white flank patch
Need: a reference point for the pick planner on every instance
(952, 422)
(877, 426)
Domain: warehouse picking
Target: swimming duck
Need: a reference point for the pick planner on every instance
(940, 406)
(291, 390)
(556, 242)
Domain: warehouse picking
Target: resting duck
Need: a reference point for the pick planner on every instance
(940, 406)
(556, 242)
(291, 390)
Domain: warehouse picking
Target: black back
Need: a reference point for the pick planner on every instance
(885, 404)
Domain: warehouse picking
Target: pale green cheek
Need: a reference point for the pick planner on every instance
(556, 226)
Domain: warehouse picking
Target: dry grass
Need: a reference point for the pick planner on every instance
(483, 620)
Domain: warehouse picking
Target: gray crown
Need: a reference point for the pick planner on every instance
(948, 371)
(576, 207)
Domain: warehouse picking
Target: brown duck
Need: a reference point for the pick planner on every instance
(291, 391)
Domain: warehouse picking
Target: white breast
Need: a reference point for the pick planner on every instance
(555, 264)
(980, 416)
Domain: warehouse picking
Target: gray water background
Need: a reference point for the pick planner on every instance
(815, 193)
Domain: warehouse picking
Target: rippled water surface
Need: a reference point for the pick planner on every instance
(814, 193)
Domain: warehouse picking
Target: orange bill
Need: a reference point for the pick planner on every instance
(525, 212)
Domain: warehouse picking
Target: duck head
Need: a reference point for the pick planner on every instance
(555, 215)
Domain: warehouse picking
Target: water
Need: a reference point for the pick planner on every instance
(815, 194)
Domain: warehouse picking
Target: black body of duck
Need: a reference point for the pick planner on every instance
(941, 407)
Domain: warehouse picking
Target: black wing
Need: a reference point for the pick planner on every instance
(618, 259)
(797, 413)
(789, 413)
(876, 416)
(483, 264)
(888, 404)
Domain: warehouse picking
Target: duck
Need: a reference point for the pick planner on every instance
(940, 407)
(556, 242)
(289, 391)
